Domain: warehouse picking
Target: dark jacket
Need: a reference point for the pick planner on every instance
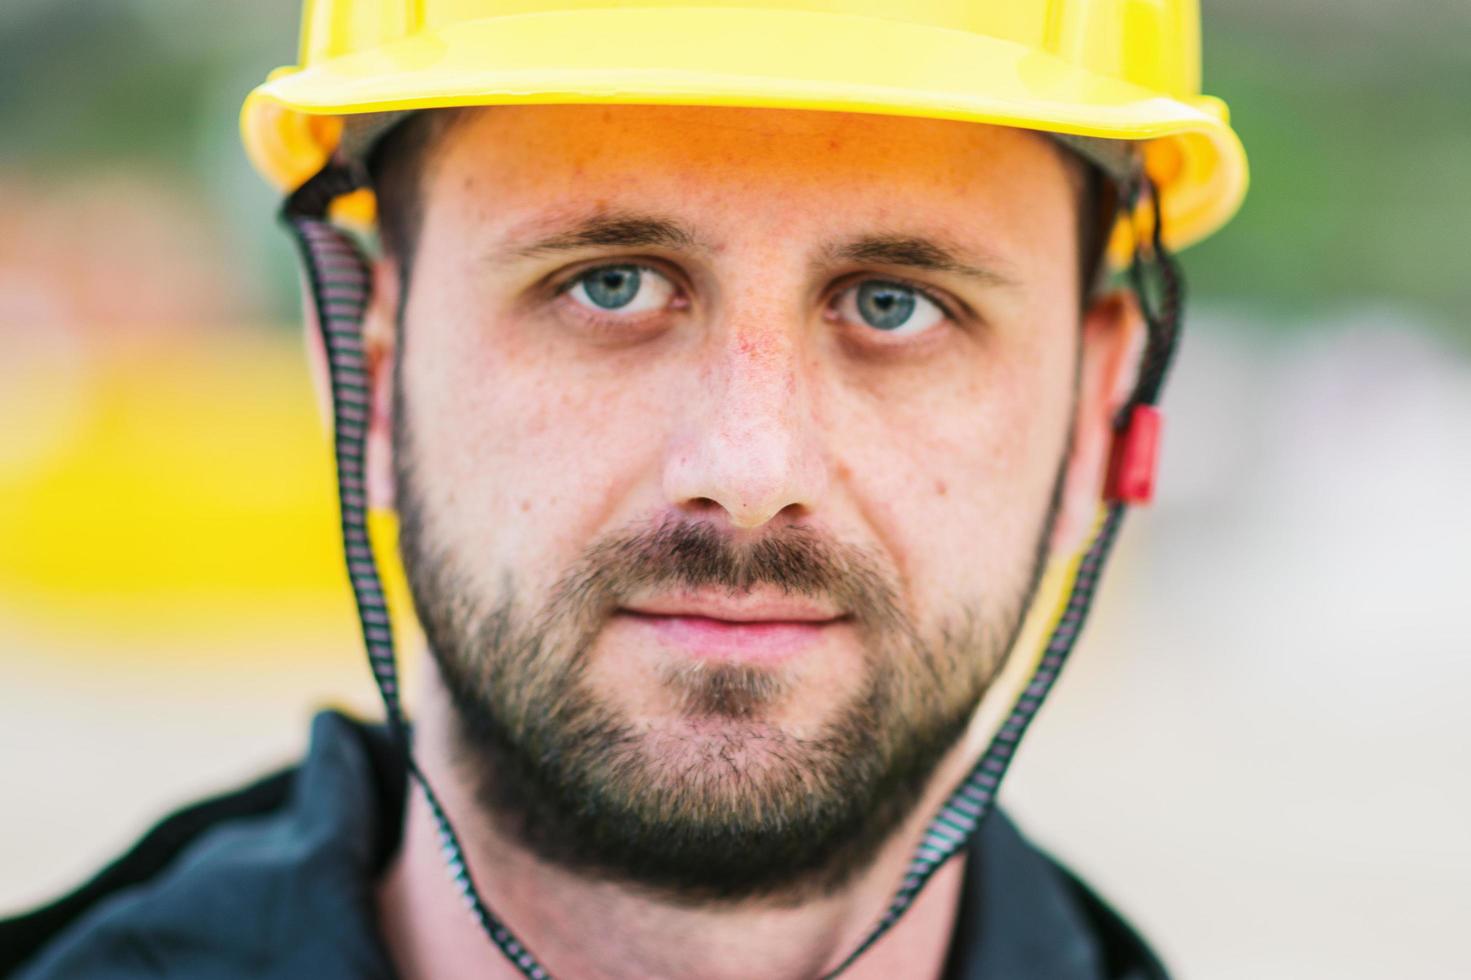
(276, 881)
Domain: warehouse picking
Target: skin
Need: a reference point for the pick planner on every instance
(751, 399)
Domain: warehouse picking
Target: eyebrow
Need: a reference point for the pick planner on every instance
(915, 252)
(612, 230)
(621, 229)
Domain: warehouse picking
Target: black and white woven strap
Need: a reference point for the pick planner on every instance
(339, 281)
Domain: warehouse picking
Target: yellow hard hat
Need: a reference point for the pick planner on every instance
(1116, 69)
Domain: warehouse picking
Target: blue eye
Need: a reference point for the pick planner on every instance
(612, 286)
(891, 307)
(884, 305)
(624, 288)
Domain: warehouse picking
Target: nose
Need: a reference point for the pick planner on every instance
(749, 449)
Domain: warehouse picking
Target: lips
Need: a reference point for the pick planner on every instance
(752, 628)
(752, 607)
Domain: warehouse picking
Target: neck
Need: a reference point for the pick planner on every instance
(579, 927)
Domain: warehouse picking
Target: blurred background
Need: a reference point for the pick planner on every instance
(1262, 751)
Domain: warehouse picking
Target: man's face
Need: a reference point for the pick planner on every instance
(726, 444)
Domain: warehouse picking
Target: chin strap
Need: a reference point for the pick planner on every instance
(339, 283)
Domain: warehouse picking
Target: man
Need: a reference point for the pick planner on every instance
(736, 373)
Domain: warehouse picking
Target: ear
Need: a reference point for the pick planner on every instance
(1113, 337)
(380, 347)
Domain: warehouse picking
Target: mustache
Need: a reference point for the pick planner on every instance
(796, 559)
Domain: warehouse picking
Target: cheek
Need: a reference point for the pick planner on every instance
(523, 455)
(955, 474)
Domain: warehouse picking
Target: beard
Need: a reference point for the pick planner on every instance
(722, 803)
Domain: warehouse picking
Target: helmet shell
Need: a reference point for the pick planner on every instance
(1113, 69)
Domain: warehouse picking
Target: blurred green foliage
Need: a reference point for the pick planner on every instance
(1356, 121)
(1354, 115)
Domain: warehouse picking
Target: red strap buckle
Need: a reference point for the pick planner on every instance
(1132, 467)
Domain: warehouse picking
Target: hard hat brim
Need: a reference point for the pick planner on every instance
(767, 58)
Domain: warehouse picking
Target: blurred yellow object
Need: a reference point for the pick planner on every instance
(184, 488)
(1115, 69)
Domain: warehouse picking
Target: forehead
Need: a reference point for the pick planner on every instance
(736, 166)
